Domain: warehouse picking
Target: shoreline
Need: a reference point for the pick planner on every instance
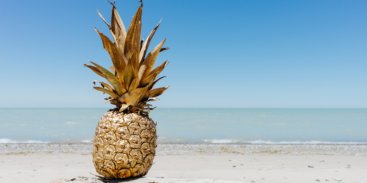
(176, 148)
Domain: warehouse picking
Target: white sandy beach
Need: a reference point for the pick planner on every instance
(59, 163)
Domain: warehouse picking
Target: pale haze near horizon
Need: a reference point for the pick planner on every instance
(240, 54)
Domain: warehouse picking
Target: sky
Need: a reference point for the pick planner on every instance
(236, 54)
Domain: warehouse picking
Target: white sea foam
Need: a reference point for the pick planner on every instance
(10, 141)
(311, 142)
(268, 142)
(208, 141)
(220, 141)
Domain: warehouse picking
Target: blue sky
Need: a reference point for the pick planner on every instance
(239, 53)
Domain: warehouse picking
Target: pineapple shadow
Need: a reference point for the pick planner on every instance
(105, 180)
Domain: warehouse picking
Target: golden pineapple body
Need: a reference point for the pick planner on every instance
(124, 145)
(125, 141)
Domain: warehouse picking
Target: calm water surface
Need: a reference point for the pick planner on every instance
(195, 125)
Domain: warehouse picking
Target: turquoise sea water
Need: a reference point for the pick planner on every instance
(195, 125)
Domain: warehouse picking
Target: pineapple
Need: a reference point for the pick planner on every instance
(125, 138)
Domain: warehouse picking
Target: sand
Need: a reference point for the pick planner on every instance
(59, 163)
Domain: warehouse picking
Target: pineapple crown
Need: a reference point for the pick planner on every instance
(132, 76)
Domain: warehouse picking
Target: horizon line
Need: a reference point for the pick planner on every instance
(190, 108)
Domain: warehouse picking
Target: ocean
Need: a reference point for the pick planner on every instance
(188, 125)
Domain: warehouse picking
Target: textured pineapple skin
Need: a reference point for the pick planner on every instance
(124, 145)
